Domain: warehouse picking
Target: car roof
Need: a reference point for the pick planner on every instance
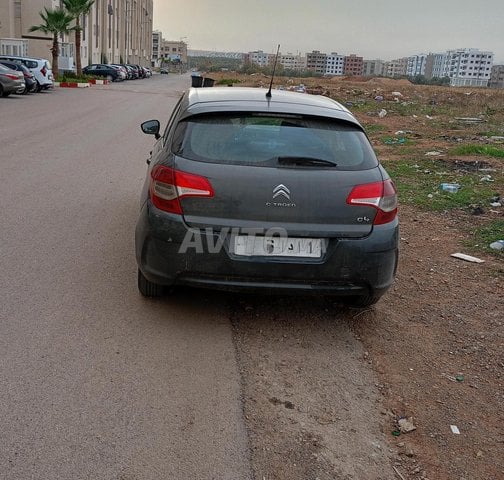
(244, 99)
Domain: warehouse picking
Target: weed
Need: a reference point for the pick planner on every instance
(487, 150)
(418, 184)
(482, 237)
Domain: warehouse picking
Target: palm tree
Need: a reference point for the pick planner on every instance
(77, 8)
(56, 22)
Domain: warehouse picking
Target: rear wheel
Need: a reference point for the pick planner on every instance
(361, 301)
(110, 78)
(149, 289)
(39, 87)
(3, 93)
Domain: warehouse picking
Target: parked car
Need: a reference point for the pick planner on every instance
(122, 73)
(29, 78)
(11, 81)
(123, 70)
(148, 72)
(272, 193)
(103, 70)
(134, 70)
(40, 67)
(163, 71)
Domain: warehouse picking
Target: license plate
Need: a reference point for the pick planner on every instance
(277, 246)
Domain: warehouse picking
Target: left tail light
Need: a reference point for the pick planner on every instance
(168, 186)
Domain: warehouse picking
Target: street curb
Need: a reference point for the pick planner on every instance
(71, 85)
(99, 82)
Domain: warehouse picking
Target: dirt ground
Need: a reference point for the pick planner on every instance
(434, 342)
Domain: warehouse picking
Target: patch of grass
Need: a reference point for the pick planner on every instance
(228, 81)
(486, 150)
(418, 183)
(482, 237)
(374, 128)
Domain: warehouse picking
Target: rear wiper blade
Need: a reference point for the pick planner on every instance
(305, 162)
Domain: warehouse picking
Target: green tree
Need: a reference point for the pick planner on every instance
(55, 23)
(77, 8)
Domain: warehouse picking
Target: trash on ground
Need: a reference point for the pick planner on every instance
(379, 98)
(486, 178)
(455, 429)
(450, 187)
(428, 117)
(467, 258)
(394, 141)
(406, 425)
(433, 153)
(396, 94)
(382, 113)
(459, 377)
(498, 245)
(396, 433)
(496, 139)
(470, 119)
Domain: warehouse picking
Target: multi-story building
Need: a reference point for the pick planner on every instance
(372, 68)
(174, 51)
(396, 68)
(259, 57)
(497, 77)
(435, 65)
(334, 64)
(468, 67)
(353, 65)
(293, 62)
(114, 31)
(157, 43)
(316, 62)
(416, 65)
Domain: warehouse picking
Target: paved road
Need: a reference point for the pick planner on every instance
(96, 382)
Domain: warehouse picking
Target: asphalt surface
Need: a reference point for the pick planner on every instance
(95, 381)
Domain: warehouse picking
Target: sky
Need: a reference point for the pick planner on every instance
(384, 29)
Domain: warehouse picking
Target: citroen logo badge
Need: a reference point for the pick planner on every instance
(281, 190)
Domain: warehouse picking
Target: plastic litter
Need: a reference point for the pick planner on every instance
(382, 113)
(498, 245)
(486, 178)
(433, 153)
(450, 187)
(396, 94)
(379, 98)
(455, 429)
(467, 258)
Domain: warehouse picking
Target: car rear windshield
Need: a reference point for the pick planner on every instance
(259, 139)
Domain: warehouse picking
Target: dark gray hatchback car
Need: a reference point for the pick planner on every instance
(279, 193)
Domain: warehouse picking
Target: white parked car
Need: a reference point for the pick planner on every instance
(40, 67)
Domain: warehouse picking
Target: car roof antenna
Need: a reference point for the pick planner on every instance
(268, 94)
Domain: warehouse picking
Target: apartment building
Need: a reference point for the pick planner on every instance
(497, 77)
(316, 62)
(372, 68)
(468, 67)
(157, 43)
(435, 65)
(259, 57)
(396, 68)
(353, 65)
(416, 65)
(173, 51)
(114, 31)
(293, 62)
(334, 64)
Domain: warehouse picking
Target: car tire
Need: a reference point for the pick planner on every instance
(361, 301)
(110, 78)
(149, 289)
(3, 93)
(39, 87)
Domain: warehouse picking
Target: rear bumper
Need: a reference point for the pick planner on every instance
(348, 267)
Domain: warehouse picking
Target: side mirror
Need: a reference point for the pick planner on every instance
(151, 127)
